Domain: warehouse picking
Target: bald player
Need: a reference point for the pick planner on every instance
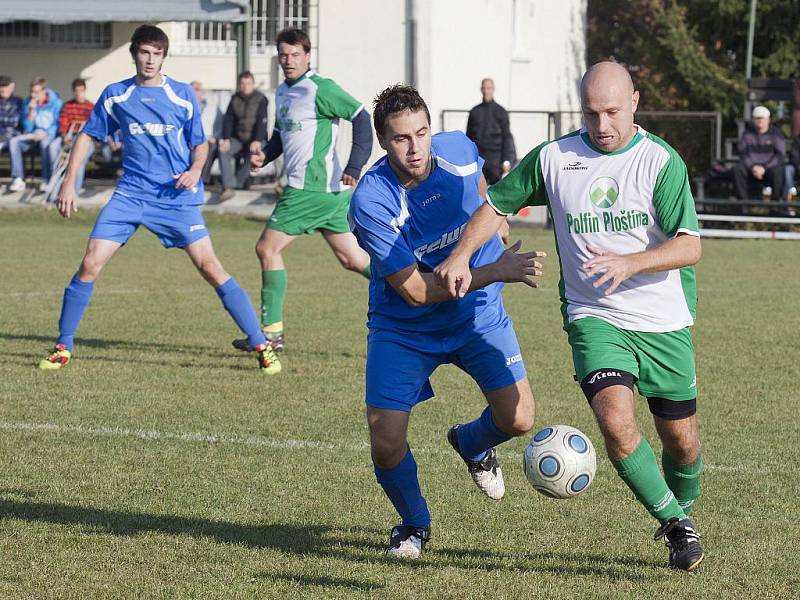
(627, 237)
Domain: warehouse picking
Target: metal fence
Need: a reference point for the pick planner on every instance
(696, 135)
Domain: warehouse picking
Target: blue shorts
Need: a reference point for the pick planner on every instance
(176, 225)
(399, 365)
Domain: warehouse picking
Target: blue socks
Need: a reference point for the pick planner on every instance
(402, 487)
(76, 298)
(475, 438)
(238, 305)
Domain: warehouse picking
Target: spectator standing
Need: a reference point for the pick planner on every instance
(762, 149)
(790, 171)
(488, 127)
(243, 130)
(211, 118)
(74, 114)
(39, 128)
(10, 111)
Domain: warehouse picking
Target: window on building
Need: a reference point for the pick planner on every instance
(33, 34)
(268, 17)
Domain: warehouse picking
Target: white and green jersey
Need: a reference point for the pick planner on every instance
(307, 118)
(626, 201)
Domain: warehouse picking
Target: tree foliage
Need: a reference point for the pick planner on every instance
(690, 54)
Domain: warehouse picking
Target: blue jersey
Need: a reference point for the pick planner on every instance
(400, 227)
(159, 126)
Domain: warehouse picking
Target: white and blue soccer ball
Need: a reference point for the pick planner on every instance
(560, 461)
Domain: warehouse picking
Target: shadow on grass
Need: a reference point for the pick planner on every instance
(357, 545)
(324, 581)
(203, 361)
(106, 344)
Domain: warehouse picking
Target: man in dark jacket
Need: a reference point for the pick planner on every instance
(487, 126)
(761, 156)
(243, 129)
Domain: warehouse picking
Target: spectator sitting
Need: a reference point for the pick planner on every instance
(10, 111)
(488, 127)
(211, 118)
(243, 130)
(39, 128)
(74, 115)
(761, 155)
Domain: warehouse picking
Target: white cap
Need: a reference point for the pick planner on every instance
(760, 111)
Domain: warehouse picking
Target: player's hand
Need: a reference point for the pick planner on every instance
(515, 267)
(349, 180)
(614, 268)
(67, 203)
(255, 146)
(257, 159)
(758, 171)
(504, 231)
(187, 180)
(453, 275)
(224, 145)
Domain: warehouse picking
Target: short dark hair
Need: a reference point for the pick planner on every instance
(149, 34)
(245, 75)
(395, 99)
(40, 81)
(6, 80)
(78, 83)
(294, 37)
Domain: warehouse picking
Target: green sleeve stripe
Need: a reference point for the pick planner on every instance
(523, 186)
(494, 206)
(672, 195)
(332, 101)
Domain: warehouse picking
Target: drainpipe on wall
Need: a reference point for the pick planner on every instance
(244, 33)
(411, 44)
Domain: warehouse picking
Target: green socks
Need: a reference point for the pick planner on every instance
(273, 293)
(639, 470)
(683, 480)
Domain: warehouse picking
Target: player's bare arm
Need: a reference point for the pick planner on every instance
(505, 229)
(420, 289)
(66, 197)
(188, 179)
(681, 251)
(453, 274)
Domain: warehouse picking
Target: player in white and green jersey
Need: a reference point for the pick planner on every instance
(308, 111)
(627, 234)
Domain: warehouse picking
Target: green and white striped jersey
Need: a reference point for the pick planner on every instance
(307, 118)
(626, 201)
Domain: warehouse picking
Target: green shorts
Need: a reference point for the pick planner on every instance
(301, 211)
(663, 363)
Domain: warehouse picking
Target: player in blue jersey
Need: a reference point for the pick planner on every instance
(407, 212)
(164, 154)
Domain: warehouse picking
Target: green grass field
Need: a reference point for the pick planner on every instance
(162, 464)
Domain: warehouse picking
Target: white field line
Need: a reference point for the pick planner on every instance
(153, 435)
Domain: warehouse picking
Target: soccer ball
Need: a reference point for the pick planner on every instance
(559, 461)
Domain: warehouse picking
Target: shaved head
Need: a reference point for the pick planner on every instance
(607, 74)
(608, 102)
(487, 89)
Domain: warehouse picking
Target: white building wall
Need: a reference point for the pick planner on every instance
(533, 49)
